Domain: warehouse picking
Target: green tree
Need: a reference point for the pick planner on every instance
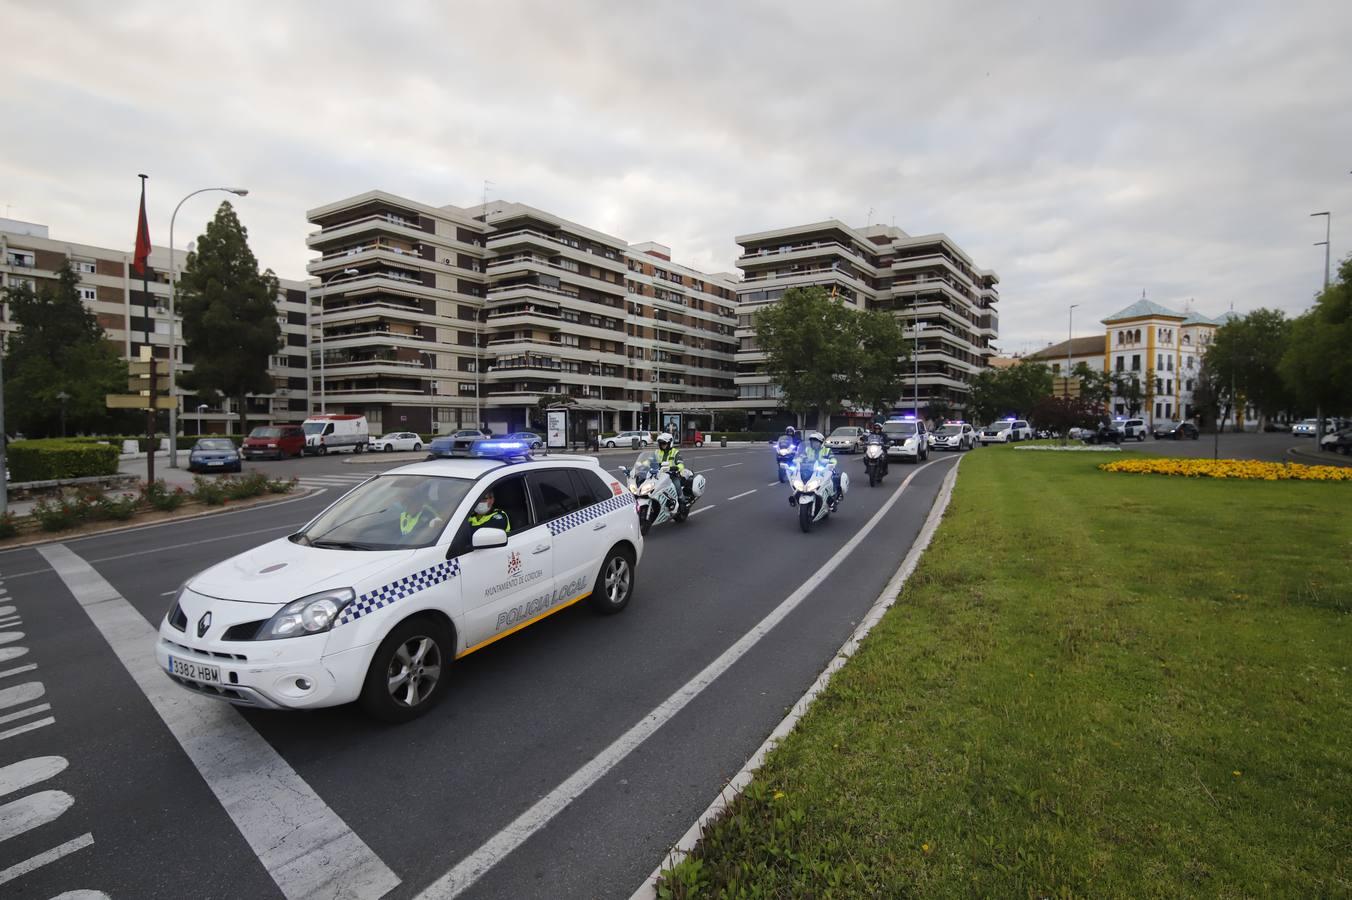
(1012, 391)
(880, 362)
(822, 353)
(59, 348)
(1096, 385)
(1246, 353)
(1130, 390)
(1317, 365)
(1060, 414)
(229, 315)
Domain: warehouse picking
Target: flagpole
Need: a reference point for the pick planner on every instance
(143, 228)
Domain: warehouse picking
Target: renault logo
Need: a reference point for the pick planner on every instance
(204, 623)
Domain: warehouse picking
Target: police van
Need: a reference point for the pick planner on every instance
(374, 598)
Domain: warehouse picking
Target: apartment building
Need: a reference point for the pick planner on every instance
(945, 303)
(28, 254)
(436, 318)
(1162, 349)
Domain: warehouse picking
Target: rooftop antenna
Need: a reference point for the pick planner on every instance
(870, 217)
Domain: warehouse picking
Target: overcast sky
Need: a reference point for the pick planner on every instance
(1084, 151)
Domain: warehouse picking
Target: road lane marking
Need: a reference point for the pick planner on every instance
(25, 713)
(19, 670)
(307, 849)
(775, 484)
(52, 855)
(32, 811)
(885, 600)
(470, 869)
(27, 772)
(743, 494)
(24, 729)
(704, 509)
(732, 465)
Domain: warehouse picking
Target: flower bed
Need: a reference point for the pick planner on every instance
(1074, 448)
(1245, 469)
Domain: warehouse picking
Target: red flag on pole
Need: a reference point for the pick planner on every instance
(142, 236)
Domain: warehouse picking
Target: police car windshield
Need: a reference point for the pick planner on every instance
(948, 429)
(899, 428)
(392, 512)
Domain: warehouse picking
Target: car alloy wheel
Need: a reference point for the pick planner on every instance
(413, 671)
(614, 584)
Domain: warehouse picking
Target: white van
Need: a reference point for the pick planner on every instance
(333, 432)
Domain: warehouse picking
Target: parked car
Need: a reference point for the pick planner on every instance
(332, 432)
(846, 439)
(214, 455)
(1305, 428)
(529, 438)
(1176, 431)
(626, 438)
(275, 441)
(395, 440)
(1339, 441)
(456, 444)
(1131, 429)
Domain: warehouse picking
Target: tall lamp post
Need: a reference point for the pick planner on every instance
(63, 397)
(173, 279)
(430, 364)
(201, 408)
(916, 360)
(323, 283)
(1328, 227)
(1070, 339)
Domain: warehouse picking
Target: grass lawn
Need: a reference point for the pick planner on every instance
(1094, 685)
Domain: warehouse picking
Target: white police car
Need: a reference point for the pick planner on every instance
(1006, 430)
(953, 436)
(906, 439)
(375, 596)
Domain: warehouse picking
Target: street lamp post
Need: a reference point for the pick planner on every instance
(173, 279)
(1070, 339)
(323, 283)
(430, 364)
(201, 408)
(1328, 228)
(917, 369)
(63, 397)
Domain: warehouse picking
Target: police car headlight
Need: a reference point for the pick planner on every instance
(308, 615)
(910, 443)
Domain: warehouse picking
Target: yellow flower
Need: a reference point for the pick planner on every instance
(779, 795)
(925, 848)
(1229, 468)
(1236, 773)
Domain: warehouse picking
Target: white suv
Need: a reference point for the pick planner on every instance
(1131, 428)
(1005, 431)
(379, 593)
(953, 436)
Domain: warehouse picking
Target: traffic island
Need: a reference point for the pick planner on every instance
(1093, 685)
(89, 510)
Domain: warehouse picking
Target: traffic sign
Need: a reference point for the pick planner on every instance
(141, 383)
(139, 401)
(1066, 387)
(138, 368)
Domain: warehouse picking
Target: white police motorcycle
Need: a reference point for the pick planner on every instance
(814, 491)
(786, 448)
(658, 493)
(875, 459)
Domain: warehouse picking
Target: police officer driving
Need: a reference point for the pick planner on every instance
(486, 515)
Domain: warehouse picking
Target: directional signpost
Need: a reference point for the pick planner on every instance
(147, 391)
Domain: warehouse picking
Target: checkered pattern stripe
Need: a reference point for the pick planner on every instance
(587, 513)
(386, 594)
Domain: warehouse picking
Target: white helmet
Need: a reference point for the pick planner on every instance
(816, 436)
(664, 439)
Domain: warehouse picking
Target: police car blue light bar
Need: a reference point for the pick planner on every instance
(489, 448)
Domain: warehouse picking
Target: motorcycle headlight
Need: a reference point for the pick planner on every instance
(646, 488)
(874, 451)
(815, 483)
(308, 615)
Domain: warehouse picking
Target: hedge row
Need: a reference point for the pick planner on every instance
(185, 442)
(55, 458)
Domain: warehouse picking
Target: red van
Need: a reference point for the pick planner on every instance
(275, 441)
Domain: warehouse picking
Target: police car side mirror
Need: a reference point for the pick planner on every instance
(484, 538)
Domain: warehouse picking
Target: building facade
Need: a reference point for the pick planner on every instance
(109, 288)
(1161, 350)
(1087, 350)
(437, 318)
(944, 302)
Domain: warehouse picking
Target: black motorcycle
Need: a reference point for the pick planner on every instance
(875, 459)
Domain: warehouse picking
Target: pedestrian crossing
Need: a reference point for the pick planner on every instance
(334, 482)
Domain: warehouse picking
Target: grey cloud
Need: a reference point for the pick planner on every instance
(1085, 151)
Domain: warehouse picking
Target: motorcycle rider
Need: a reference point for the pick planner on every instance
(670, 456)
(876, 433)
(815, 451)
(792, 434)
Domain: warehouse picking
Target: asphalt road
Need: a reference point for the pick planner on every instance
(123, 809)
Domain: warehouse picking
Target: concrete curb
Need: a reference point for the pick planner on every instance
(59, 537)
(1319, 457)
(688, 841)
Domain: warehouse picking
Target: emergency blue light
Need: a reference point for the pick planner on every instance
(488, 448)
